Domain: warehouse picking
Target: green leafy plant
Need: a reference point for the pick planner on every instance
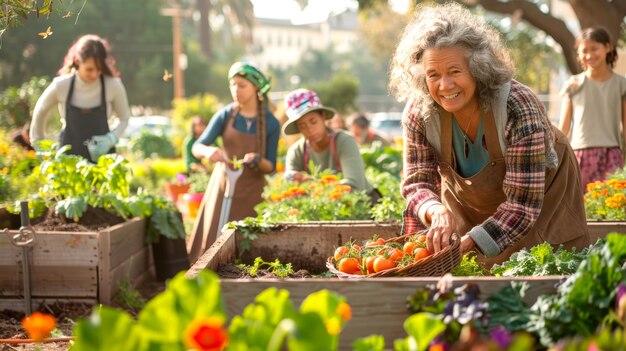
(198, 182)
(542, 260)
(150, 145)
(189, 314)
(469, 267)
(275, 267)
(17, 103)
(250, 227)
(128, 297)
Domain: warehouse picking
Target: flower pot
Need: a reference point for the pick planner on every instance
(192, 201)
(174, 190)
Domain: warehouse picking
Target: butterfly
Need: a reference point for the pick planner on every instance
(45, 34)
(68, 14)
(167, 76)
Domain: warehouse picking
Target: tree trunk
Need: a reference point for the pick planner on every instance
(204, 30)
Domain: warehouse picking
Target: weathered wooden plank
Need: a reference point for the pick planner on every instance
(104, 268)
(221, 252)
(56, 249)
(133, 268)
(600, 229)
(378, 304)
(65, 281)
(126, 239)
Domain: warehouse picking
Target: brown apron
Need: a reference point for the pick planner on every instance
(248, 190)
(472, 200)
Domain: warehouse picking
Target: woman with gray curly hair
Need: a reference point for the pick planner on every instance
(481, 159)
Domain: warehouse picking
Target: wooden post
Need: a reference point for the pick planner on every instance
(179, 78)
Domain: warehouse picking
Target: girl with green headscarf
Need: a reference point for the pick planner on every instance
(249, 133)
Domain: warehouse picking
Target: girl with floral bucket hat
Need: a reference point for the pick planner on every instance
(325, 148)
(249, 133)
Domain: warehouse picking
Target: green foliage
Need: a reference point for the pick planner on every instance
(250, 227)
(542, 260)
(469, 267)
(203, 105)
(339, 93)
(128, 297)
(383, 158)
(175, 319)
(165, 220)
(17, 103)
(369, 343)
(392, 204)
(422, 329)
(275, 267)
(16, 170)
(150, 145)
(507, 308)
(198, 182)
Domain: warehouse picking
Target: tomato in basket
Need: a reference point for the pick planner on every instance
(420, 253)
(381, 264)
(349, 265)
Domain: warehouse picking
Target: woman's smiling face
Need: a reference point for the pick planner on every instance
(450, 82)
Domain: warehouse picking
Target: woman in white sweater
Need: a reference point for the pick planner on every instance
(87, 92)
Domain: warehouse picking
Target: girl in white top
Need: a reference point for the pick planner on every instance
(594, 107)
(87, 91)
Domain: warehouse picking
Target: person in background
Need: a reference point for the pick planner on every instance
(192, 163)
(249, 134)
(481, 158)
(336, 122)
(87, 92)
(21, 137)
(593, 109)
(326, 148)
(363, 133)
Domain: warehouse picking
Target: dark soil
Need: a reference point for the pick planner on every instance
(231, 271)
(66, 314)
(94, 219)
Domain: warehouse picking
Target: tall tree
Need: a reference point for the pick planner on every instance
(608, 13)
(238, 16)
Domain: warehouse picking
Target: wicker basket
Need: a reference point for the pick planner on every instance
(435, 265)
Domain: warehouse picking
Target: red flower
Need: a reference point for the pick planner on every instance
(206, 334)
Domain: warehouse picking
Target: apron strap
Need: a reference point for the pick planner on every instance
(70, 93)
(446, 137)
(333, 151)
(491, 136)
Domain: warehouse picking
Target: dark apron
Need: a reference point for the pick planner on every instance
(83, 123)
(472, 200)
(248, 191)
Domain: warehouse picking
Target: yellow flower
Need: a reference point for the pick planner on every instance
(333, 326)
(335, 194)
(293, 212)
(31, 154)
(329, 179)
(206, 334)
(38, 325)
(5, 170)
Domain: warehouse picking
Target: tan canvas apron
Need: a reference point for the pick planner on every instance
(248, 190)
(472, 200)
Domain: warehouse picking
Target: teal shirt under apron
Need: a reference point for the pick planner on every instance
(477, 155)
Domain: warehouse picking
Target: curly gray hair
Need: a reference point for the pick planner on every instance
(449, 25)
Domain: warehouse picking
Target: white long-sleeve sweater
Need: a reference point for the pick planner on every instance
(86, 95)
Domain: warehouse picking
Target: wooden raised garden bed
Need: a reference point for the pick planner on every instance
(599, 229)
(378, 304)
(76, 266)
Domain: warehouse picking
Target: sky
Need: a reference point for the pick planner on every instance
(316, 11)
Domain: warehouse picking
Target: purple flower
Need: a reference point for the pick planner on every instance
(621, 302)
(621, 290)
(180, 178)
(501, 336)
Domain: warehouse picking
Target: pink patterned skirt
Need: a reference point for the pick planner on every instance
(596, 163)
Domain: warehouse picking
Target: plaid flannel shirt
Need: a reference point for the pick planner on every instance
(523, 183)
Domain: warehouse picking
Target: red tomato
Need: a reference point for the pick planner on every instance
(395, 254)
(381, 263)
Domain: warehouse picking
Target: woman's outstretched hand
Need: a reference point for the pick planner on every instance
(442, 225)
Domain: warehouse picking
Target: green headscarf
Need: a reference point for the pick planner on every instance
(251, 73)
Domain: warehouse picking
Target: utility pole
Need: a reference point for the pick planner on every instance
(178, 76)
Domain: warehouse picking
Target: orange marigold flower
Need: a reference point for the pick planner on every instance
(38, 325)
(293, 212)
(31, 154)
(206, 334)
(594, 194)
(275, 198)
(335, 195)
(343, 187)
(344, 311)
(604, 192)
(436, 347)
(329, 179)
